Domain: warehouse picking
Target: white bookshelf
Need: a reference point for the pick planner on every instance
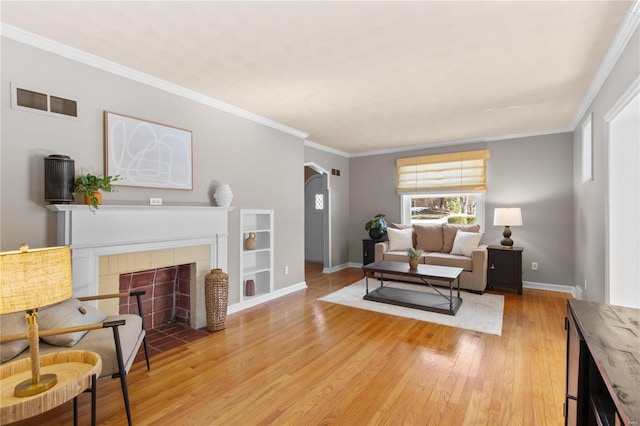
(256, 265)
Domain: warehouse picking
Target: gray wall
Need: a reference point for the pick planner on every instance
(263, 166)
(339, 201)
(533, 173)
(590, 198)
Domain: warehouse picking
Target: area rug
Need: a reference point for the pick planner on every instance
(478, 312)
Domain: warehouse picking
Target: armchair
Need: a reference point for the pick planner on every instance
(116, 339)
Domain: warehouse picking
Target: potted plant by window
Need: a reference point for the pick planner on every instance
(377, 227)
(414, 257)
(90, 186)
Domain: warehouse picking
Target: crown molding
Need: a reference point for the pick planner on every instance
(613, 54)
(77, 55)
(325, 148)
(462, 142)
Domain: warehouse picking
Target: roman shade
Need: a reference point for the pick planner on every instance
(457, 171)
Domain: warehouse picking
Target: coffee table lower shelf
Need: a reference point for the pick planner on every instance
(415, 300)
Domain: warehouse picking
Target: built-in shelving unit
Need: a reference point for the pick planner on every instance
(256, 264)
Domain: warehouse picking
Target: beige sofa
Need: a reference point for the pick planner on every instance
(437, 242)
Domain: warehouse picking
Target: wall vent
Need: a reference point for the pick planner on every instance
(30, 99)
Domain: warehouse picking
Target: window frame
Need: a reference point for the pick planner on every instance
(405, 204)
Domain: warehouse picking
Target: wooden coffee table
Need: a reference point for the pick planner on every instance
(437, 302)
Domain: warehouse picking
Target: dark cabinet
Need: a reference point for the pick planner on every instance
(504, 268)
(369, 251)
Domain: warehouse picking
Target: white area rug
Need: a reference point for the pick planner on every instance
(478, 312)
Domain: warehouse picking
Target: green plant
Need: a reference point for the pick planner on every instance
(413, 253)
(378, 222)
(90, 184)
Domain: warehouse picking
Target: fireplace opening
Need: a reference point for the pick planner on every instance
(167, 299)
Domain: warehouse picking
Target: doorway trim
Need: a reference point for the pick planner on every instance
(327, 214)
(632, 91)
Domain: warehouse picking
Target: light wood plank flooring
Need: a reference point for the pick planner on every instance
(300, 361)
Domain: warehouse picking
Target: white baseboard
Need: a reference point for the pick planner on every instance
(552, 287)
(341, 267)
(254, 301)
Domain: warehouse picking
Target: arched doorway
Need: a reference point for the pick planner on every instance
(317, 215)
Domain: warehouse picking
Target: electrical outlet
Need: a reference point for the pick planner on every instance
(585, 285)
(534, 266)
(286, 270)
(155, 201)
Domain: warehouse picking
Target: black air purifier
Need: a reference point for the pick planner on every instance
(59, 173)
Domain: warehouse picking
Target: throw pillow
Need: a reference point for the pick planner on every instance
(400, 239)
(429, 237)
(449, 234)
(465, 243)
(12, 324)
(69, 313)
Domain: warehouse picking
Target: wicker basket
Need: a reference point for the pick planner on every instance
(216, 294)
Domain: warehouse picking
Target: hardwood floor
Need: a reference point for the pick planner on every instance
(300, 361)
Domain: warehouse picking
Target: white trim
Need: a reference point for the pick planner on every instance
(461, 142)
(328, 149)
(618, 106)
(257, 300)
(559, 288)
(617, 46)
(341, 267)
(122, 71)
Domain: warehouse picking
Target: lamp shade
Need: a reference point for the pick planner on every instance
(30, 279)
(511, 216)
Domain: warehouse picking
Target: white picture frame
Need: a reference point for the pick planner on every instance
(147, 154)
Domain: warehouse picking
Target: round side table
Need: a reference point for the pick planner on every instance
(76, 371)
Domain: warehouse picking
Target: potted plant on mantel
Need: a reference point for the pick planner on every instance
(377, 227)
(90, 186)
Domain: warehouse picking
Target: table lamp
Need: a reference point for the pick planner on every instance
(30, 279)
(507, 217)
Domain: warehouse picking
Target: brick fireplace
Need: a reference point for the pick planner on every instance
(116, 240)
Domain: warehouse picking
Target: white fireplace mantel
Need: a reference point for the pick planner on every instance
(120, 229)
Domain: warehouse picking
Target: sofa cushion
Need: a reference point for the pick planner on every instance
(449, 234)
(400, 239)
(446, 259)
(429, 237)
(68, 313)
(465, 243)
(101, 342)
(14, 323)
(401, 226)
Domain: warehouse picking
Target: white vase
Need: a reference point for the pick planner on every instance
(223, 196)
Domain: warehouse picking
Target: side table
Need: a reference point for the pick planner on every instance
(504, 269)
(76, 371)
(369, 250)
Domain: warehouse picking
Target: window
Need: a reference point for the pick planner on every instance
(443, 188)
(319, 204)
(456, 208)
(587, 151)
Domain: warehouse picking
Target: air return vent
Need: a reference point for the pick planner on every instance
(29, 99)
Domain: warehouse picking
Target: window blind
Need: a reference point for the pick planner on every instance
(458, 171)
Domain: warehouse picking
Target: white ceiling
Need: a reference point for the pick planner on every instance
(357, 76)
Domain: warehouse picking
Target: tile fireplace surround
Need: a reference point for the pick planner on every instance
(118, 239)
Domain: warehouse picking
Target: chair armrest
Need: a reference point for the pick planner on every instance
(137, 294)
(380, 249)
(64, 330)
(113, 295)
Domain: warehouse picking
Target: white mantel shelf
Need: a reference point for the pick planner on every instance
(81, 226)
